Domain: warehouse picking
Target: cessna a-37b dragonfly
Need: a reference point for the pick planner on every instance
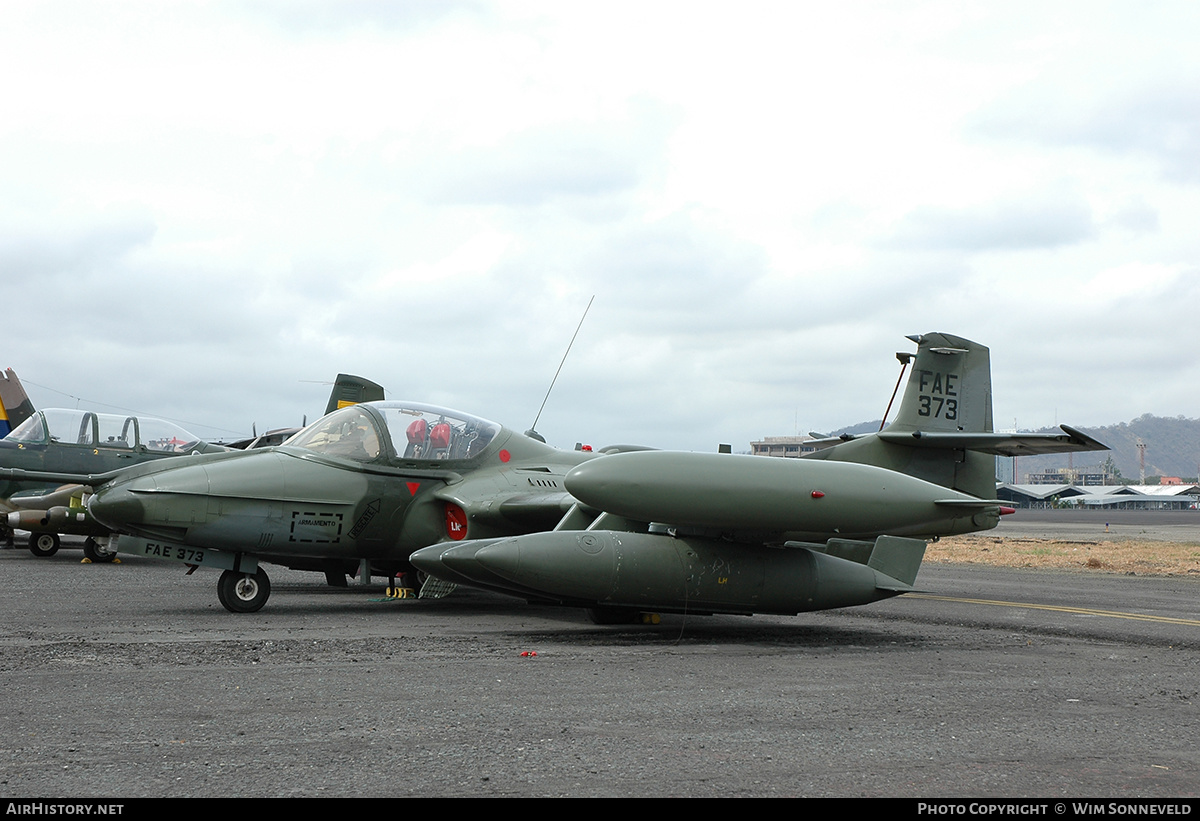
(401, 485)
(367, 483)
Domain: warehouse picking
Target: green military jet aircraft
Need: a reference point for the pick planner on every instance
(52, 446)
(77, 443)
(713, 533)
(362, 488)
(389, 486)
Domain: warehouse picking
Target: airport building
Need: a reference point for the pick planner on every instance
(791, 447)
(1113, 497)
(1085, 476)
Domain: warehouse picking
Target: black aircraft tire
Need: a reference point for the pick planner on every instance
(243, 593)
(415, 579)
(43, 544)
(614, 615)
(97, 554)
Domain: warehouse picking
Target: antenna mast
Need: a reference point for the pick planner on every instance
(533, 428)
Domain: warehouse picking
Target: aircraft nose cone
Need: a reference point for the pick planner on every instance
(167, 497)
(117, 508)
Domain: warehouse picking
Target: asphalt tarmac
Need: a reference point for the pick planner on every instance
(130, 680)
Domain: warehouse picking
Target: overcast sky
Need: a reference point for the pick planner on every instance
(209, 209)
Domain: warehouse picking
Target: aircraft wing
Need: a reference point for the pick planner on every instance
(998, 444)
(91, 479)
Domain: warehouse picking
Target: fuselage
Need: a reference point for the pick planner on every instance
(373, 481)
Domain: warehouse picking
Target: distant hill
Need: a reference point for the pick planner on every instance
(1172, 447)
(859, 429)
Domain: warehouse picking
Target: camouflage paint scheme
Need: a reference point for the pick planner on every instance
(716, 533)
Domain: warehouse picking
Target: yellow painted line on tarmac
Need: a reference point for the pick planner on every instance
(1082, 611)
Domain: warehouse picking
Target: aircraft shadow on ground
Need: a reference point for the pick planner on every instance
(698, 632)
(570, 626)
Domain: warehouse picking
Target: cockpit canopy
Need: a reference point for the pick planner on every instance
(103, 430)
(416, 432)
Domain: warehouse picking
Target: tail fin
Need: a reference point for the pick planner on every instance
(950, 387)
(350, 390)
(15, 406)
(943, 430)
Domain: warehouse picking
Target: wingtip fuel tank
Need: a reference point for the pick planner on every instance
(804, 499)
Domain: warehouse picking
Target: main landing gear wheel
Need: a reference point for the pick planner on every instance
(43, 544)
(415, 579)
(98, 553)
(614, 615)
(243, 593)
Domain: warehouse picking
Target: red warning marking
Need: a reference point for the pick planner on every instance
(505, 456)
(456, 522)
(816, 494)
(413, 487)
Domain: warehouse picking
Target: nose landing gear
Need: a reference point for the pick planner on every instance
(243, 593)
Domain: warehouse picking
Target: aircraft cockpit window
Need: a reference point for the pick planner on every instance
(424, 432)
(157, 434)
(117, 432)
(103, 430)
(348, 433)
(70, 427)
(32, 431)
(418, 432)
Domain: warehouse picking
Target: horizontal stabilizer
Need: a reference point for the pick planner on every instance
(897, 558)
(828, 441)
(852, 550)
(894, 559)
(997, 444)
(972, 504)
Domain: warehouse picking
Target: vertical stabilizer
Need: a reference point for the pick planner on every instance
(15, 406)
(350, 390)
(949, 389)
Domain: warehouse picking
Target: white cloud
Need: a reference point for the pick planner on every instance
(216, 202)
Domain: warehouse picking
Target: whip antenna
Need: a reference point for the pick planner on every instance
(533, 428)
